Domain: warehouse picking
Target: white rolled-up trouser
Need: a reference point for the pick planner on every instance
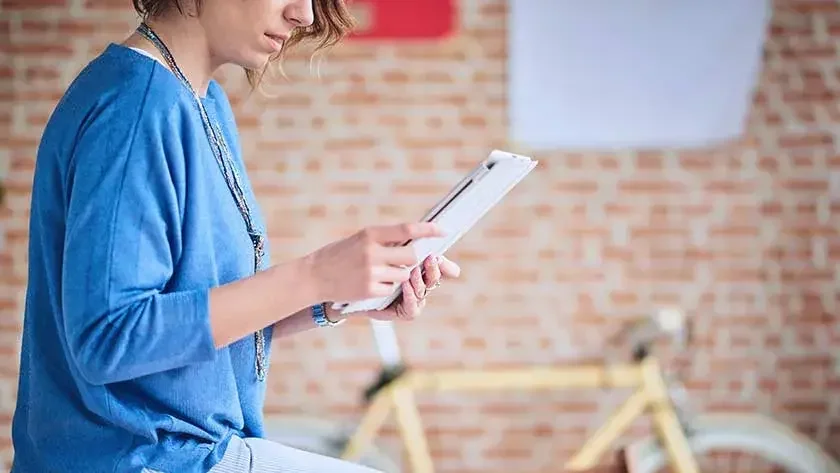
(254, 455)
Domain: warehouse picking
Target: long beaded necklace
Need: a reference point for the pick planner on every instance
(228, 168)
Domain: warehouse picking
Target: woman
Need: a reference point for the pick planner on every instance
(151, 301)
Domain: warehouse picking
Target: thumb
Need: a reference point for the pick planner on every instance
(449, 268)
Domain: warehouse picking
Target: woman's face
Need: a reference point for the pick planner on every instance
(248, 32)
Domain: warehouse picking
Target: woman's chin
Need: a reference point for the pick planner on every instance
(254, 61)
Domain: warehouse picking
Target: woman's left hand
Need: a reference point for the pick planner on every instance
(414, 291)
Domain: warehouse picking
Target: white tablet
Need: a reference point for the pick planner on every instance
(479, 191)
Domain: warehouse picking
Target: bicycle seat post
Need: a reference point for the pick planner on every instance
(386, 343)
(388, 348)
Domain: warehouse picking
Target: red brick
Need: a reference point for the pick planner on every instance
(631, 187)
(576, 187)
(57, 50)
(11, 5)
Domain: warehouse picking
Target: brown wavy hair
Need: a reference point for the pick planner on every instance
(332, 23)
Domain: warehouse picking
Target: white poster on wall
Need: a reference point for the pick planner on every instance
(647, 73)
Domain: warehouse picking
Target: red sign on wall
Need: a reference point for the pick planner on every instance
(402, 19)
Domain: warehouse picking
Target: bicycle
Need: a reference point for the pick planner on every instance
(677, 440)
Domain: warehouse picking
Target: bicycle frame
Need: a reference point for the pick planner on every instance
(650, 397)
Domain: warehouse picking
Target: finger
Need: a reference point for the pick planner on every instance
(383, 289)
(390, 274)
(417, 283)
(397, 256)
(404, 232)
(448, 268)
(431, 275)
(400, 313)
(407, 306)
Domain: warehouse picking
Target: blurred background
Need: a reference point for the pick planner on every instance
(702, 173)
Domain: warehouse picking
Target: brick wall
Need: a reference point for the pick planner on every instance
(744, 237)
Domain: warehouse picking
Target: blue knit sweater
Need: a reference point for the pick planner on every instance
(131, 225)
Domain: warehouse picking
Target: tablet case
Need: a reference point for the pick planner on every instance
(474, 195)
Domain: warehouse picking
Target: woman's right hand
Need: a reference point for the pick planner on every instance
(369, 263)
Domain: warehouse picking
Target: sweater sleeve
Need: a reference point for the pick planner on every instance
(122, 240)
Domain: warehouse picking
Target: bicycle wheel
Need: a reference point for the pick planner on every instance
(724, 443)
(324, 438)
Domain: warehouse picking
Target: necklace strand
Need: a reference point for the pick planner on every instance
(223, 158)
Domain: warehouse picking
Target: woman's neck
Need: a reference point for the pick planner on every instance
(187, 42)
